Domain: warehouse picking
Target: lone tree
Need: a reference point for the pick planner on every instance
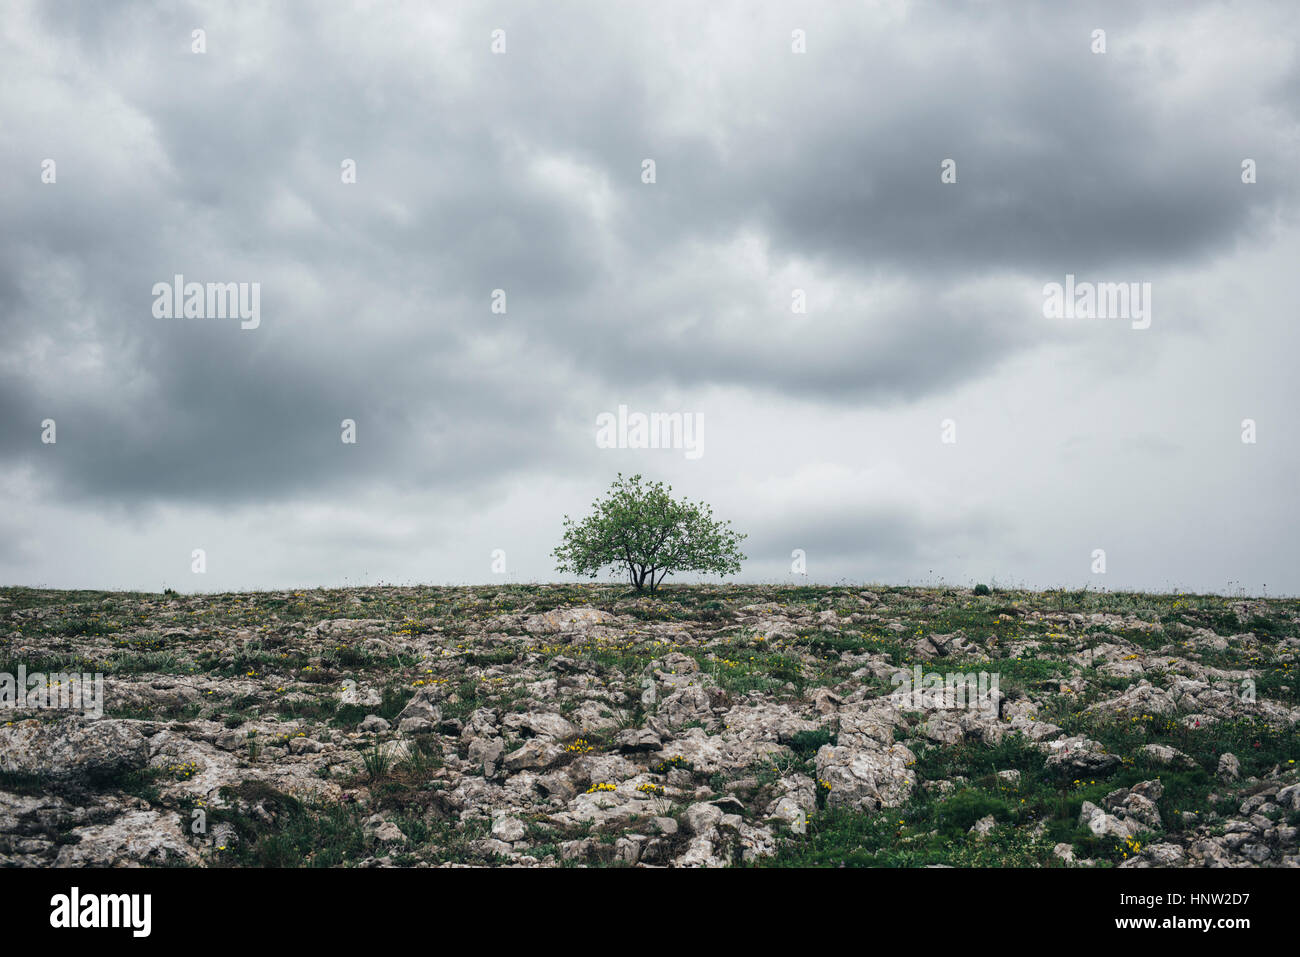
(640, 528)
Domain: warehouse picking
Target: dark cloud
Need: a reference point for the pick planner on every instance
(522, 172)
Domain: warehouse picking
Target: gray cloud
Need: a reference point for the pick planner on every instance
(522, 172)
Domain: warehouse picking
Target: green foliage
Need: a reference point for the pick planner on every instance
(283, 832)
(957, 814)
(891, 838)
(376, 761)
(806, 744)
(639, 528)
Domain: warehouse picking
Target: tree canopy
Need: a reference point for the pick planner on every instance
(640, 528)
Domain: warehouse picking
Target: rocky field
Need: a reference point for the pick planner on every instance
(560, 725)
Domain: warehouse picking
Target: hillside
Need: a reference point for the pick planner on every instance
(566, 724)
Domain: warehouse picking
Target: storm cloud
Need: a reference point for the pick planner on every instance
(779, 177)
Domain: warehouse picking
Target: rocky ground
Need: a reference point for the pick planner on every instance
(555, 725)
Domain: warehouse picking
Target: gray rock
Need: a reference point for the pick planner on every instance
(135, 838)
(628, 848)
(1157, 855)
(508, 829)
(305, 746)
(638, 739)
(421, 715)
(788, 810)
(74, 748)
(389, 833)
(540, 724)
(866, 778)
(1166, 756)
(1080, 755)
(486, 753)
(1229, 767)
(1107, 825)
(556, 785)
(702, 818)
(567, 621)
(1289, 797)
(535, 755)
(686, 706)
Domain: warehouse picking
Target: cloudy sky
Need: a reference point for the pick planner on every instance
(523, 170)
